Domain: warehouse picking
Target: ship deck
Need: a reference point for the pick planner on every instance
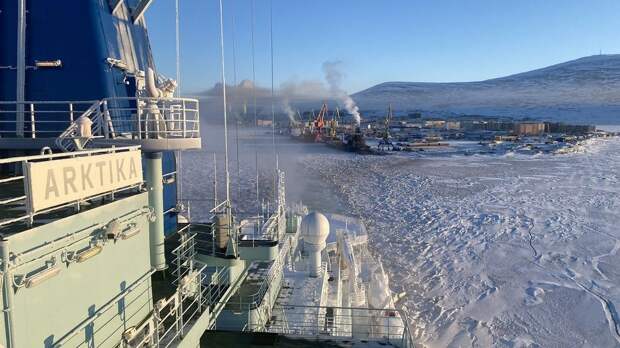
(266, 339)
(252, 290)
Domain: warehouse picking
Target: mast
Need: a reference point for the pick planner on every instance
(225, 106)
(21, 67)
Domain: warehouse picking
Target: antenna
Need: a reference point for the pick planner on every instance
(273, 112)
(234, 56)
(254, 97)
(225, 105)
(214, 180)
(179, 153)
(231, 249)
(178, 47)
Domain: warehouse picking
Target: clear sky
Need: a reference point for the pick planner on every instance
(381, 40)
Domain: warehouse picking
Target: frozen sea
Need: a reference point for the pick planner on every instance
(510, 251)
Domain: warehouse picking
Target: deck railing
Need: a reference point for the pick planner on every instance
(216, 279)
(131, 118)
(387, 325)
(271, 282)
(153, 118)
(200, 290)
(41, 119)
(166, 324)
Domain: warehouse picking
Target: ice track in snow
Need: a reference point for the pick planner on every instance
(508, 251)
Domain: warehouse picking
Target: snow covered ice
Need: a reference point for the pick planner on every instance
(511, 251)
(504, 251)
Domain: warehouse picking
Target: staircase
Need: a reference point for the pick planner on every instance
(71, 140)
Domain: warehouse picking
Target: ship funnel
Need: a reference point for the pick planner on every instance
(314, 231)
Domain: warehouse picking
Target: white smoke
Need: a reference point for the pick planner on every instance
(334, 77)
(286, 107)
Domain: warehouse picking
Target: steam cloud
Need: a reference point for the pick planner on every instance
(296, 92)
(334, 76)
(293, 93)
(286, 107)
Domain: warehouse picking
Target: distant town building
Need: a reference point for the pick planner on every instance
(411, 125)
(569, 129)
(501, 138)
(434, 123)
(264, 123)
(488, 125)
(414, 115)
(530, 128)
(452, 125)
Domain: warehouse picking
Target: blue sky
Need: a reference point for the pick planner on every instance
(382, 40)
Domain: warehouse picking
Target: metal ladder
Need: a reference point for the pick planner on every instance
(70, 140)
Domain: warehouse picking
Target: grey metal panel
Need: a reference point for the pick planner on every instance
(153, 144)
(147, 144)
(46, 312)
(26, 143)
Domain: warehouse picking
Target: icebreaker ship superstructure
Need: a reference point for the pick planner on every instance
(96, 249)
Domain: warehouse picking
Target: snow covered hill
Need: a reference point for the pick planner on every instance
(586, 90)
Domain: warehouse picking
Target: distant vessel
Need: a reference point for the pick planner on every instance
(329, 132)
(353, 142)
(96, 248)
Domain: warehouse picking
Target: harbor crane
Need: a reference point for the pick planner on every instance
(386, 138)
(333, 124)
(319, 122)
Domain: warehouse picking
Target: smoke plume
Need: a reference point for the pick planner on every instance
(286, 107)
(334, 77)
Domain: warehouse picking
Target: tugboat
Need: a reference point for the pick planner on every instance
(96, 248)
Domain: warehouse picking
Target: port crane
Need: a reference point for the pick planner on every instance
(333, 124)
(385, 141)
(319, 122)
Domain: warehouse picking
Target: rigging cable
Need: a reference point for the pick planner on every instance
(178, 94)
(273, 112)
(178, 47)
(225, 107)
(254, 101)
(234, 57)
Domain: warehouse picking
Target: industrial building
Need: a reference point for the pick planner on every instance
(529, 128)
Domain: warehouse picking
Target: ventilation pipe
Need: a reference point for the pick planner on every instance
(151, 86)
(154, 185)
(165, 90)
(21, 67)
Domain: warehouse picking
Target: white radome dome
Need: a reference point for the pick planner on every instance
(314, 228)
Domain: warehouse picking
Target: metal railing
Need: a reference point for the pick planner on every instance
(174, 316)
(215, 279)
(219, 290)
(130, 118)
(199, 290)
(153, 118)
(71, 139)
(183, 255)
(133, 299)
(387, 325)
(14, 194)
(261, 229)
(168, 320)
(272, 281)
(41, 119)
